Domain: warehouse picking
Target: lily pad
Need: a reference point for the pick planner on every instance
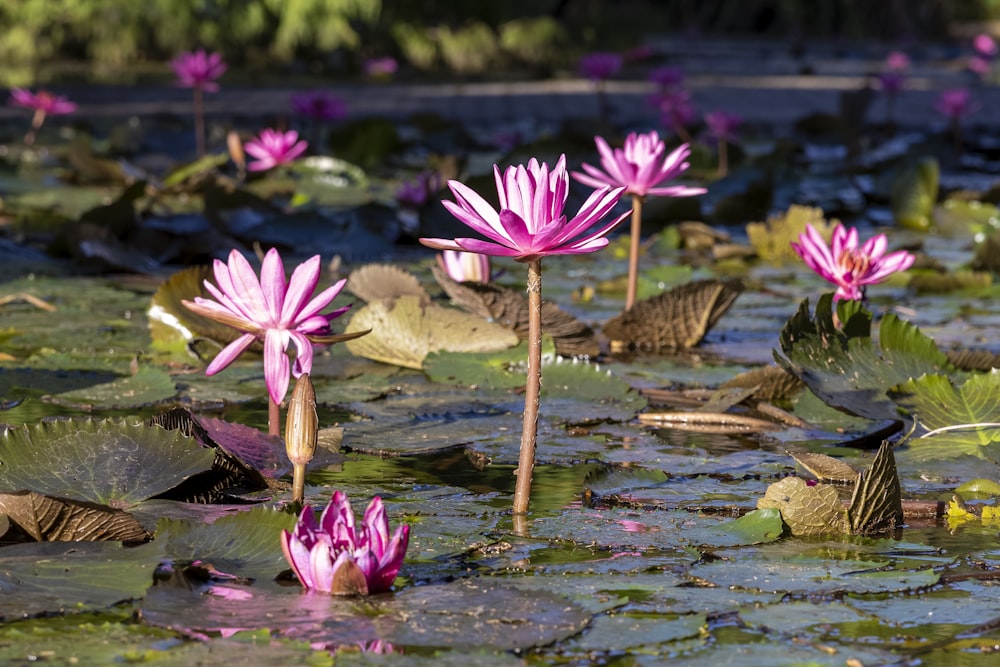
(148, 386)
(46, 519)
(115, 463)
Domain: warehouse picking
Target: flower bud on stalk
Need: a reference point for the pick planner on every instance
(301, 433)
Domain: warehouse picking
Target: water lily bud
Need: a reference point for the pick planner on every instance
(302, 422)
(236, 153)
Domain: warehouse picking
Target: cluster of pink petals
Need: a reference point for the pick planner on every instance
(273, 147)
(415, 194)
(319, 106)
(845, 264)
(600, 65)
(675, 106)
(955, 103)
(337, 556)
(380, 68)
(897, 61)
(531, 222)
(465, 267)
(722, 126)
(198, 69)
(269, 310)
(667, 76)
(640, 166)
(985, 46)
(43, 101)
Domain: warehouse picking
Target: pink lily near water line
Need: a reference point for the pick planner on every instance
(641, 167)
(337, 556)
(530, 224)
(845, 264)
(44, 104)
(271, 148)
(198, 71)
(272, 311)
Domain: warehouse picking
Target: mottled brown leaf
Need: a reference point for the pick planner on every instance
(374, 282)
(769, 383)
(826, 468)
(46, 519)
(509, 308)
(973, 360)
(674, 320)
(877, 506)
(806, 510)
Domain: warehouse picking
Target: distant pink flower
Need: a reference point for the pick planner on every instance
(198, 69)
(416, 193)
(640, 166)
(273, 147)
(979, 65)
(891, 82)
(639, 53)
(319, 106)
(531, 222)
(722, 126)
(667, 77)
(676, 108)
(849, 267)
(600, 65)
(465, 267)
(380, 68)
(43, 101)
(269, 310)
(985, 46)
(955, 103)
(897, 61)
(339, 557)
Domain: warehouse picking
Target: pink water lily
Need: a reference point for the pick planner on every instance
(531, 222)
(43, 101)
(319, 106)
(850, 267)
(273, 147)
(198, 69)
(334, 555)
(269, 310)
(955, 103)
(640, 166)
(465, 267)
(600, 65)
(722, 126)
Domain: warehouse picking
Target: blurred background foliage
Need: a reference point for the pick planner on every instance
(459, 36)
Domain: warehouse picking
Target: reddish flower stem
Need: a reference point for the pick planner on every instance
(633, 252)
(723, 158)
(199, 122)
(532, 388)
(273, 417)
(36, 123)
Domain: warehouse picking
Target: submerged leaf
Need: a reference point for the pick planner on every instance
(404, 332)
(47, 519)
(674, 320)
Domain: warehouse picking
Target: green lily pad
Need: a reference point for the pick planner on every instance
(148, 386)
(115, 463)
(914, 193)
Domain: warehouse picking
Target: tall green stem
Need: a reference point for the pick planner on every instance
(199, 122)
(532, 388)
(633, 252)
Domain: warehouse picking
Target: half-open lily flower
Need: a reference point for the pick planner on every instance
(465, 267)
(269, 310)
(198, 69)
(640, 166)
(722, 126)
(339, 557)
(984, 45)
(531, 222)
(273, 147)
(955, 103)
(850, 267)
(43, 101)
(319, 106)
(600, 66)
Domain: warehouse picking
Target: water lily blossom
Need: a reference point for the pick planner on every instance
(600, 65)
(198, 71)
(641, 166)
(273, 147)
(337, 556)
(847, 265)
(465, 267)
(955, 103)
(319, 106)
(44, 104)
(272, 311)
(531, 224)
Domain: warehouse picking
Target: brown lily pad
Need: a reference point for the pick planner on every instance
(375, 282)
(41, 518)
(877, 506)
(769, 383)
(674, 320)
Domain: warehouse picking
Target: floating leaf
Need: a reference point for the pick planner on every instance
(806, 510)
(403, 333)
(148, 386)
(914, 193)
(843, 366)
(203, 165)
(171, 324)
(945, 283)
(756, 527)
(509, 308)
(826, 468)
(772, 240)
(375, 282)
(677, 319)
(110, 462)
(47, 519)
(877, 506)
(769, 383)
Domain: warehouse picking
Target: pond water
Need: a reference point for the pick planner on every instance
(643, 545)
